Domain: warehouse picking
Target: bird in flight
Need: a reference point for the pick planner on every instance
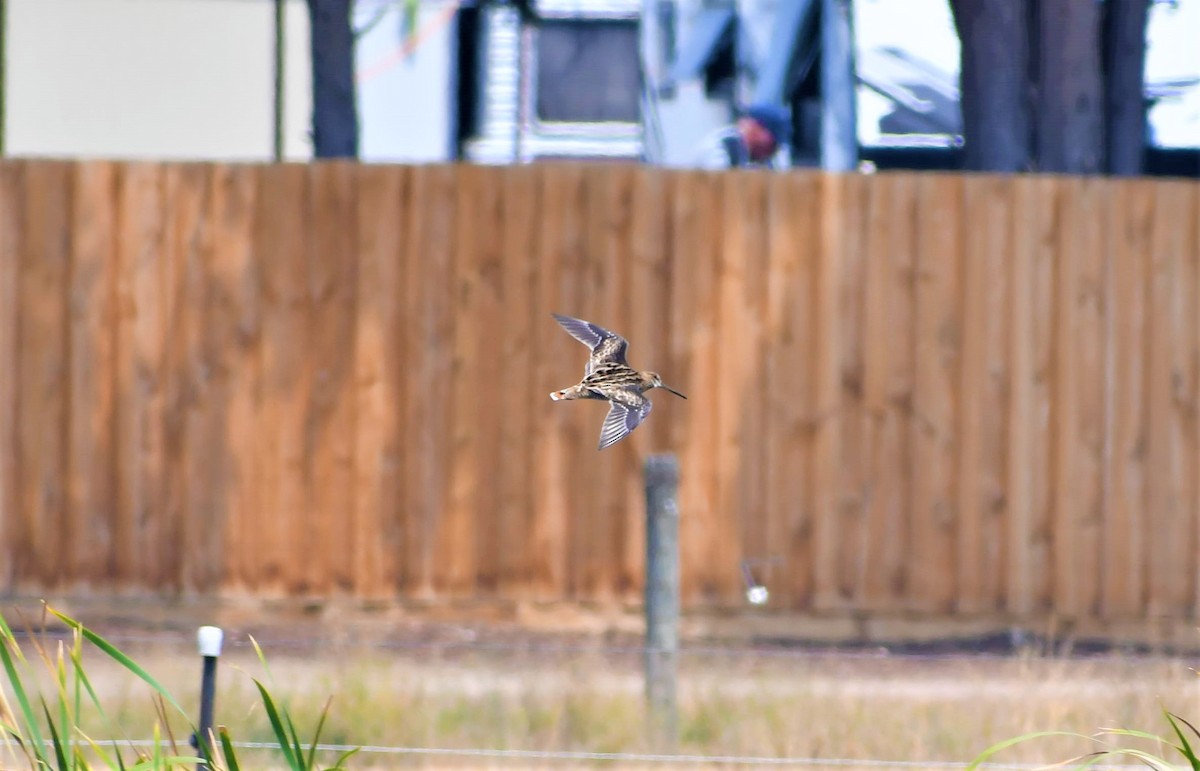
(607, 376)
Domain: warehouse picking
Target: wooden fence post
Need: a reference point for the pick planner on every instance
(662, 594)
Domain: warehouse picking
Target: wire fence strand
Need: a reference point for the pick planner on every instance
(624, 757)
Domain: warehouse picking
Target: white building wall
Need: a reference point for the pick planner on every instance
(407, 102)
(153, 79)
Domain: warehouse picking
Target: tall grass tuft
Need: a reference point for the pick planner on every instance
(285, 729)
(1115, 744)
(47, 722)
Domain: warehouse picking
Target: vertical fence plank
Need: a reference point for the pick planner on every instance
(574, 250)
(888, 385)
(981, 474)
(648, 300)
(469, 530)
(793, 248)
(1170, 387)
(1090, 397)
(1185, 382)
(43, 370)
(1194, 609)
(139, 239)
(281, 248)
(997, 399)
(827, 388)
(522, 397)
(1065, 417)
(738, 386)
(935, 398)
(648, 307)
(1078, 422)
(596, 518)
(91, 501)
(149, 278)
(186, 520)
(559, 364)
(1046, 223)
(458, 549)
(1023, 375)
(11, 227)
(1162, 522)
(743, 398)
(329, 429)
(853, 479)
(378, 536)
(1130, 223)
(204, 461)
(428, 342)
(971, 506)
(696, 237)
(234, 337)
(614, 257)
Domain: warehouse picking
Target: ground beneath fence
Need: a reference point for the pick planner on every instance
(468, 687)
(333, 621)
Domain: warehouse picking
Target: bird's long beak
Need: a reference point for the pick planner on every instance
(672, 390)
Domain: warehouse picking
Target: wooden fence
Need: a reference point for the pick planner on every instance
(932, 394)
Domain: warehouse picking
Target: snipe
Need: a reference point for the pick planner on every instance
(609, 377)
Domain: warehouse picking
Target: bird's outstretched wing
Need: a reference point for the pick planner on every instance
(627, 412)
(606, 347)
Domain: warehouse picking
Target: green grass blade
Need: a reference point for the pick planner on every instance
(341, 761)
(14, 681)
(231, 761)
(297, 745)
(281, 735)
(310, 763)
(76, 659)
(20, 743)
(1185, 747)
(1092, 759)
(1152, 761)
(156, 748)
(6, 633)
(1003, 745)
(86, 682)
(1132, 733)
(59, 747)
(116, 655)
(1171, 715)
(287, 734)
(65, 719)
(107, 760)
(262, 659)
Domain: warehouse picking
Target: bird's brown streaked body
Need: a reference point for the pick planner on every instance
(607, 376)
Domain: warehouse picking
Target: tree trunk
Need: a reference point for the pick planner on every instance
(1070, 98)
(1053, 85)
(335, 112)
(1124, 49)
(994, 83)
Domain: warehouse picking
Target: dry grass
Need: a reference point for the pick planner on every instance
(731, 703)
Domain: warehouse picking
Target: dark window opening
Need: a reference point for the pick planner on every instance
(469, 68)
(588, 72)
